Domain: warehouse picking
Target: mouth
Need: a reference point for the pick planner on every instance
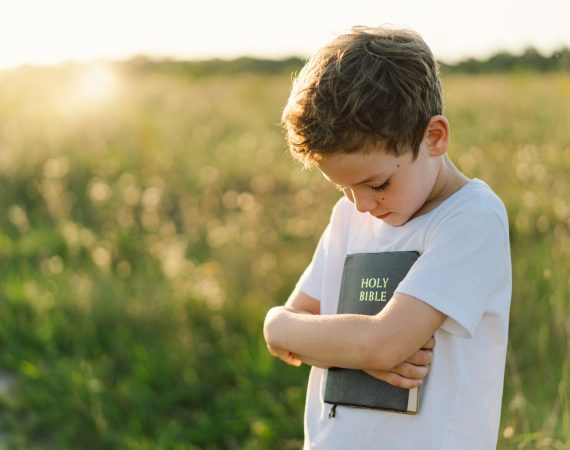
(383, 216)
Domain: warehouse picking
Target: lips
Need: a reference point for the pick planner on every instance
(383, 216)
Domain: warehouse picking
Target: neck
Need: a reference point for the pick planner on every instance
(449, 180)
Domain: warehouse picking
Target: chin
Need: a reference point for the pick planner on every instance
(397, 221)
(391, 220)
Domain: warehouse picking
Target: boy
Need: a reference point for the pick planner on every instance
(367, 112)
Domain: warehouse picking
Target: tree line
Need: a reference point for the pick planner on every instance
(530, 60)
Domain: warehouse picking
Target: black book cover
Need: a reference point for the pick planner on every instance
(368, 282)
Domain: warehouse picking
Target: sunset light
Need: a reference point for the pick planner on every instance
(65, 30)
(167, 261)
(96, 83)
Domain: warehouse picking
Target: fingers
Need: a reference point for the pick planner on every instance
(285, 356)
(430, 344)
(421, 358)
(395, 379)
(411, 371)
(404, 375)
(292, 360)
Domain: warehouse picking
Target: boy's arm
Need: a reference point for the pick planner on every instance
(300, 303)
(354, 341)
(303, 303)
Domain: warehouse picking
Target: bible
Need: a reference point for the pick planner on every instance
(368, 282)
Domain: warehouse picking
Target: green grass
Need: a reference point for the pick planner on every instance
(146, 233)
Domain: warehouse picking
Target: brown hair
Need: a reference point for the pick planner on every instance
(369, 87)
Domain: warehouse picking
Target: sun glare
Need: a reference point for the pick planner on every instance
(89, 88)
(96, 84)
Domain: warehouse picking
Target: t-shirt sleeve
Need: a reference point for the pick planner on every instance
(463, 264)
(310, 282)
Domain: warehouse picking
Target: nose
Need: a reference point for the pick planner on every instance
(363, 202)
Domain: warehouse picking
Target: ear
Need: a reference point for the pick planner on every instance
(437, 135)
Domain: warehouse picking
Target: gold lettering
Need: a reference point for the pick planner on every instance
(372, 283)
(373, 296)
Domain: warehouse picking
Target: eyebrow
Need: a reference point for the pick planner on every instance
(367, 180)
(383, 178)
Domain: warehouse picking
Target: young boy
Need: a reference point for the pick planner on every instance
(367, 112)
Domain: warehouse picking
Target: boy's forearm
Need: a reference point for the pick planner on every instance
(356, 341)
(323, 341)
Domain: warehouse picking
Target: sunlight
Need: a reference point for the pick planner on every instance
(96, 84)
(87, 88)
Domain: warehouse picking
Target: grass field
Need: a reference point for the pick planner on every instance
(151, 220)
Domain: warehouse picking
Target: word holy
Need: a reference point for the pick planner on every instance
(375, 295)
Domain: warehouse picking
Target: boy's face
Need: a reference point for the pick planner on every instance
(392, 188)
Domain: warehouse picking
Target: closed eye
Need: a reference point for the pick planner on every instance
(379, 188)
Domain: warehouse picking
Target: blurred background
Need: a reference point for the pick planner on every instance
(152, 215)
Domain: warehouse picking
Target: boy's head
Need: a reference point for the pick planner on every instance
(371, 88)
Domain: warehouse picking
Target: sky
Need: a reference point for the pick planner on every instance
(47, 32)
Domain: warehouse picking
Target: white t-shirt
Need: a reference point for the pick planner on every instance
(464, 271)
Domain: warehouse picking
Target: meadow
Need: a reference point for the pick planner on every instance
(151, 219)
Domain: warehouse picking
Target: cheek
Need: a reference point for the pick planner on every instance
(417, 193)
(421, 195)
(410, 199)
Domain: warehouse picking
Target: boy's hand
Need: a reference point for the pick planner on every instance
(411, 372)
(284, 355)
